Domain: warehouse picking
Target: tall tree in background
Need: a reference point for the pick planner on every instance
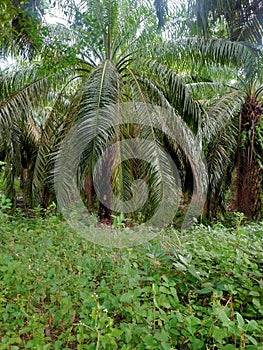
(161, 8)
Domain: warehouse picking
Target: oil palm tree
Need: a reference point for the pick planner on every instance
(110, 65)
(161, 8)
(250, 153)
(233, 149)
(241, 21)
(26, 96)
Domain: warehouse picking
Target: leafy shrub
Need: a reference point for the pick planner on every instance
(5, 203)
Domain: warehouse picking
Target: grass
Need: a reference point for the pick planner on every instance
(197, 290)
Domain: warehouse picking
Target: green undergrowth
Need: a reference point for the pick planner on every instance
(201, 289)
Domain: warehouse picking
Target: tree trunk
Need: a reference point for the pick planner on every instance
(248, 172)
(105, 189)
(88, 188)
(23, 177)
(105, 214)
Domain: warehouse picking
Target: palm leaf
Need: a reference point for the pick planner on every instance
(168, 89)
(52, 132)
(244, 18)
(208, 51)
(220, 113)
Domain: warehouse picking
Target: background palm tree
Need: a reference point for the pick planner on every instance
(218, 85)
(26, 97)
(161, 8)
(238, 20)
(250, 153)
(241, 21)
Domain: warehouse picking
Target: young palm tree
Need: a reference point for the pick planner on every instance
(124, 69)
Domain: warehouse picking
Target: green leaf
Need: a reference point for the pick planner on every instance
(252, 325)
(116, 332)
(240, 320)
(149, 340)
(193, 272)
(126, 298)
(223, 316)
(162, 336)
(256, 302)
(194, 320)
(254, 293)
(205, 290)
(229, 347)
(252, 339)
(166, 346)
(219, 333)
(197, 343)
(174, 294)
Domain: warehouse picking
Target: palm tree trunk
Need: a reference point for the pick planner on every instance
(88, 188)
(105, 211)
(248, 171)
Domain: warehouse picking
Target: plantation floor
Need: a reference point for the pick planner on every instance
(199, 290)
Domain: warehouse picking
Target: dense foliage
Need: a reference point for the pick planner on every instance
(197, 290)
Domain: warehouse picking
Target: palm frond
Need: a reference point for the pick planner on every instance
(51, 134)
(168, 89)
(243, 19)
(220, 133)
(222, 112)
(220, 154)
(209, 51)
(22, 91)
